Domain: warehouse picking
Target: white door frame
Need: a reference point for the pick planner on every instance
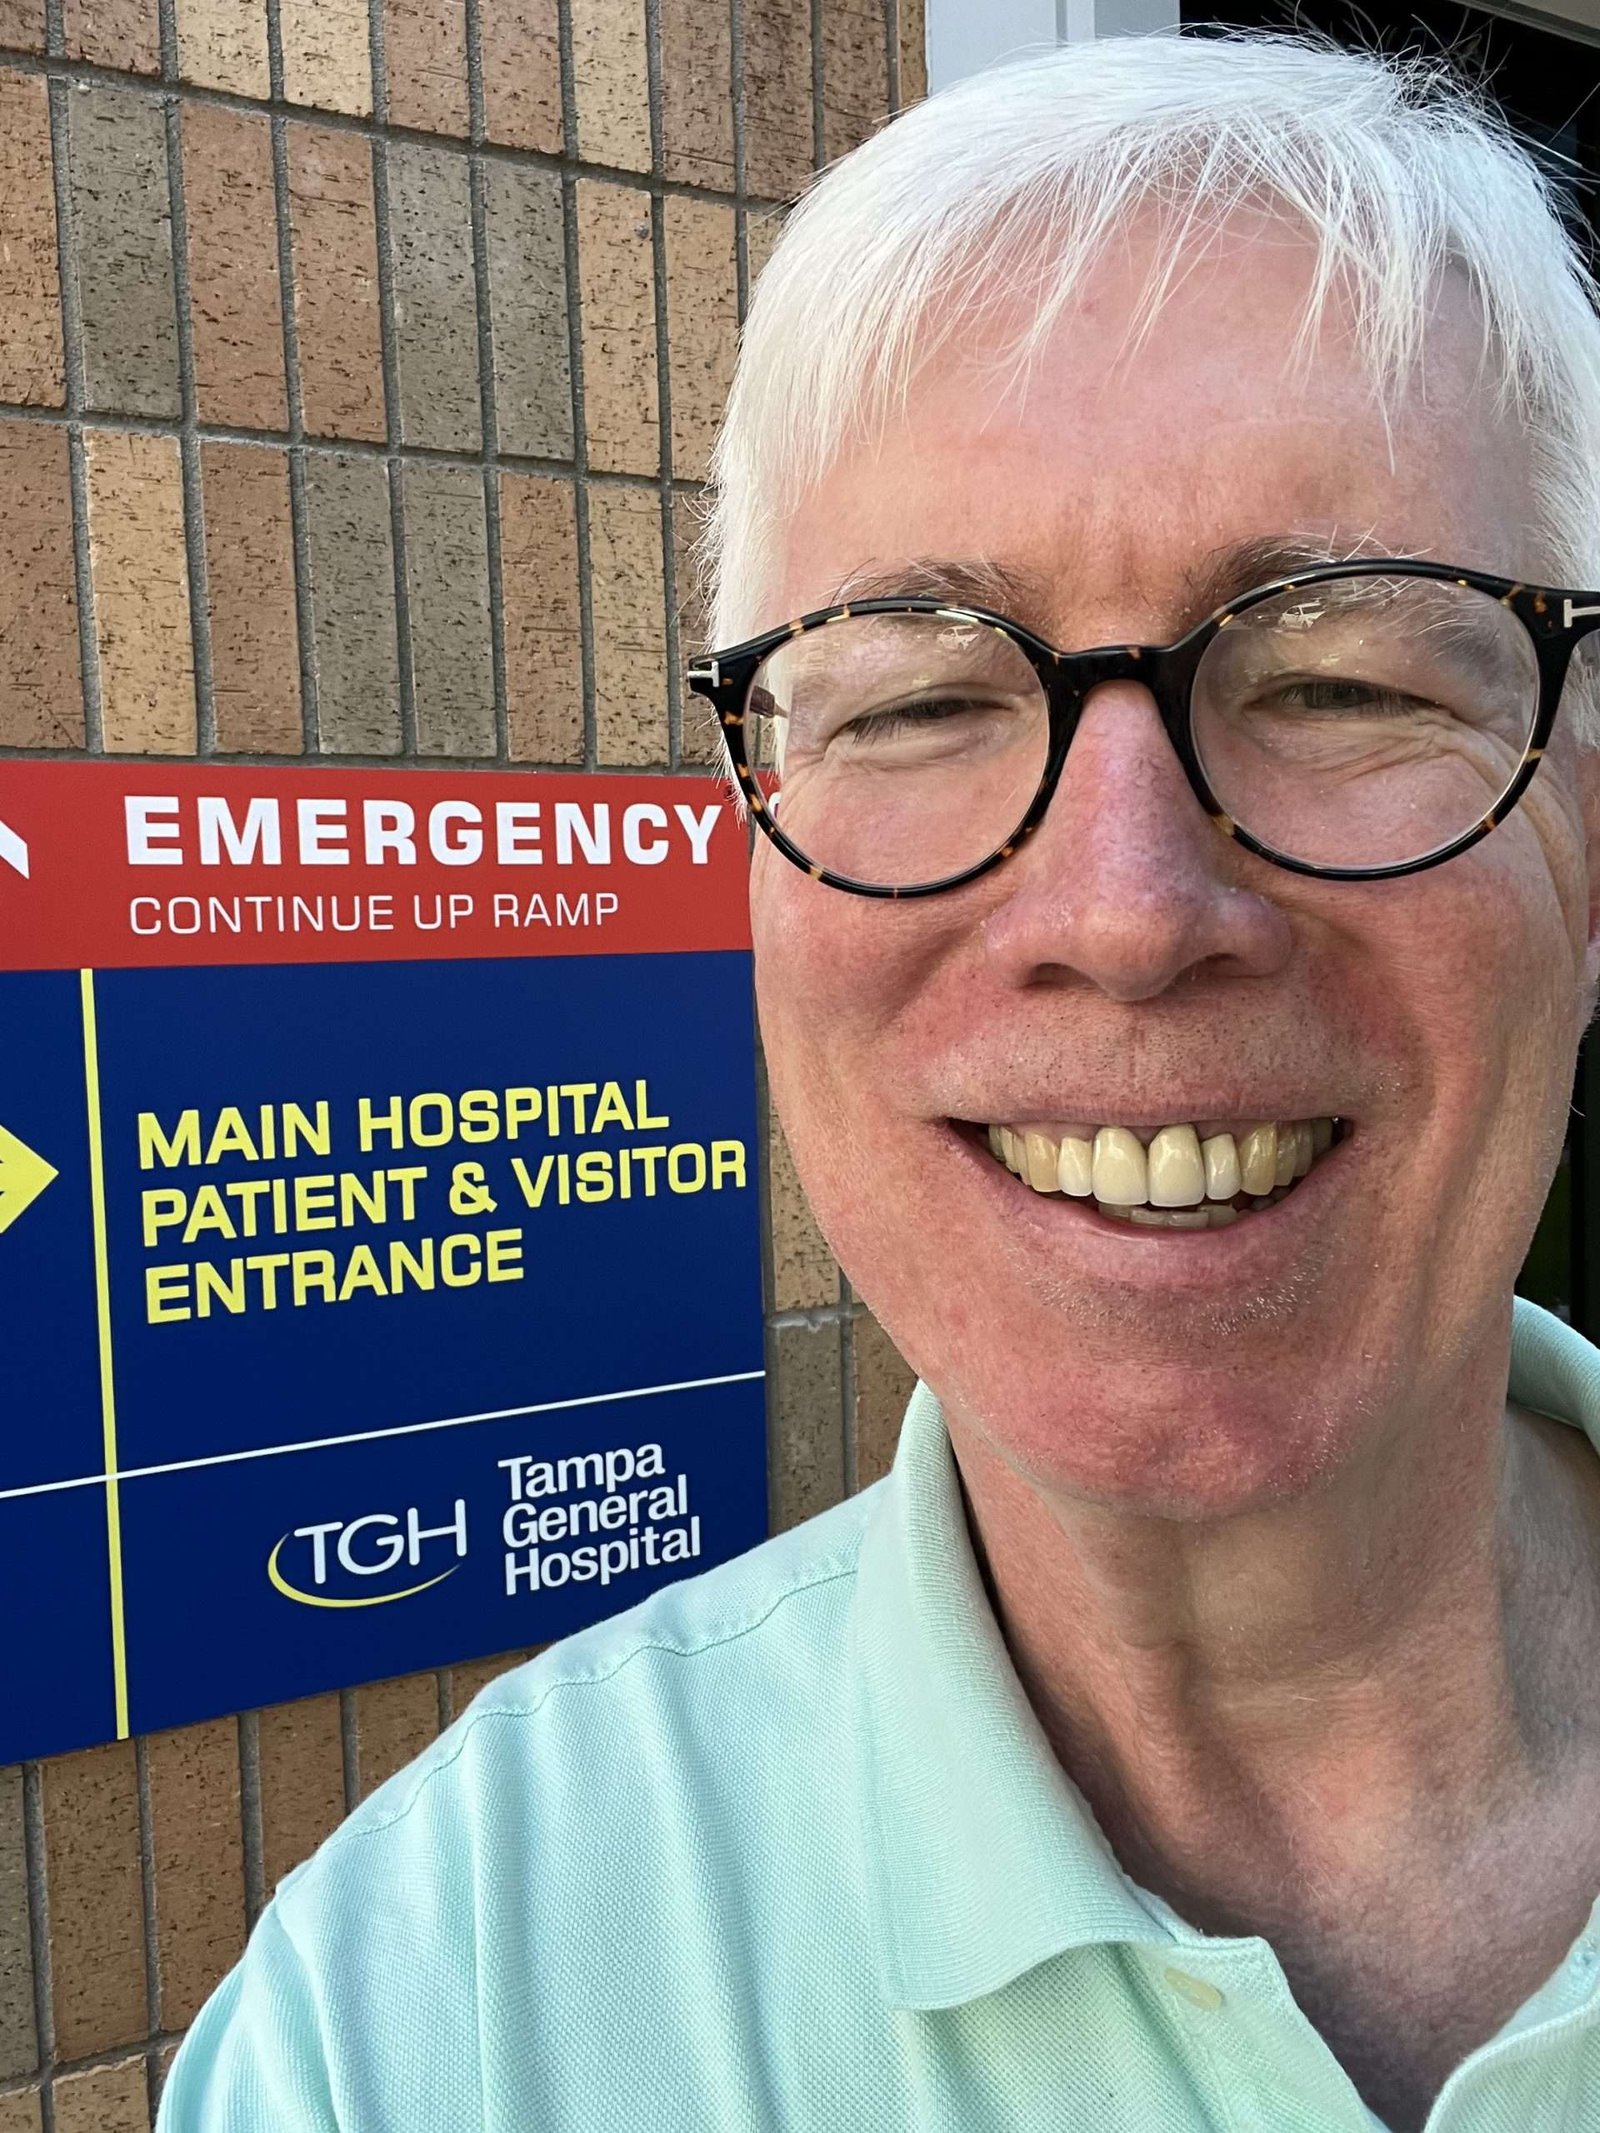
(964, 36)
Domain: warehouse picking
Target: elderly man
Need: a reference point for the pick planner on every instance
(1175, 920)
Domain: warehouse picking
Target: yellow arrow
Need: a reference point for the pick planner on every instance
(23, 1176)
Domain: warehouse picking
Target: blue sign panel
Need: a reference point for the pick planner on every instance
(368, 1315)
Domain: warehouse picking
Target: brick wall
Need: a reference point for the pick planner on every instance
(358, 368)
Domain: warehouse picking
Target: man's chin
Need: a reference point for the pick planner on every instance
(1159, 1438)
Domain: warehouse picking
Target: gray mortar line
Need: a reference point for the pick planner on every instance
(349, 1750)
(299, 524)
(658, 272)
(76, 393)
(39, 1935)
(741, 211)
(819, 91)
(390, 356)
(194, 542)
(848, 1389)
(250, 1837)
(580, 430)
(350, 759)
(334, 447)
(487, 384)
(147, 1886)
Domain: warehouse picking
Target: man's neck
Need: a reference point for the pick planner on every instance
(1346, 1724)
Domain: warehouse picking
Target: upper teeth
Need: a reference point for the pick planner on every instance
(1174, 1168)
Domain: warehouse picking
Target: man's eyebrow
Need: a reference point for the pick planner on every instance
(965, 582)
(1217, 577)
(1240, 566)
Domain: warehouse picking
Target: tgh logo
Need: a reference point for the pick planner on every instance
(370, 1546)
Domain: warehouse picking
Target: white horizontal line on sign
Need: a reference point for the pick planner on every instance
(368, 1436)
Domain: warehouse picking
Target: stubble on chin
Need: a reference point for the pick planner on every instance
(1163, 1325)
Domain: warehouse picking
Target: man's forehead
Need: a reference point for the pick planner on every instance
(1136, 488)
(1029, 595)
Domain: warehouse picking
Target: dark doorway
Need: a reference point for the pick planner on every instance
(1548, 84)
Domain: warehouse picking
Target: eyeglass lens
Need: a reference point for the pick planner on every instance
(1357, 722)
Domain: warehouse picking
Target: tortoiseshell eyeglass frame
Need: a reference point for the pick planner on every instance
(1555, 619)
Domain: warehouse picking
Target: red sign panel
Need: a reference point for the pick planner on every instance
(131, 865)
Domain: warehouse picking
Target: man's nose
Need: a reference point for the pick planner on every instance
(1127, 881)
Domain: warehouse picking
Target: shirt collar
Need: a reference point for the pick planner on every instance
(981, 1858)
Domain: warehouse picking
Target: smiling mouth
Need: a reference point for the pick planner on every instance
(1171, 1179)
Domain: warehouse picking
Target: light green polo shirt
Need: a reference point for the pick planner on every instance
(784, 1851)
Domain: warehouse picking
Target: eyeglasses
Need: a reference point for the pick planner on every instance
(1353, 721)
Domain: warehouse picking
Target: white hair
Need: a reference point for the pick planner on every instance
(1013, 181)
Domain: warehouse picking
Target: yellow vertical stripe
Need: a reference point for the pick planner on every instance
(108, 1394)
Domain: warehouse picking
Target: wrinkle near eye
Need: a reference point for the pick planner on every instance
(1549, 817)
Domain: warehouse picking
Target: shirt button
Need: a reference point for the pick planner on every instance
(1194, 1989)
(1583, 1955)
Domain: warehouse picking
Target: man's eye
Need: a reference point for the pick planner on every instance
(1362, 698)
(906, 720)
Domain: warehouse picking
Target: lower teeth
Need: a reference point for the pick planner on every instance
(1217, 1216)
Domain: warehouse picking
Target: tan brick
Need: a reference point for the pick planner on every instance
(327, 59)
(617, 300)
(447, 585)
(539, 585)
(19, 2112)
(122, 250)
(198, 1853)
(125, 34)
(611, 82)
(808, 1454)
(22, 30)
(41, 695)
(395, 1720)
(804, 1273)
(521, 47)
(30, 290)
(234, 301)
(335, 246)
(777, 96)
(255, 656)
(141, 593)
(702, 324)
(354, 647)
(855, 73)
(103, 2099)
(425, 64)
(528, 310)
(700, 741)
(435, 297)
(884, 1382)
(913, 34)
(468, 1680)
(19, 2047)
(628, 605)
(96, 1913)
(222, 44)
(302, 1782)
(696, 94)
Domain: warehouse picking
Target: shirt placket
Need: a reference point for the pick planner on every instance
(1269, 2069)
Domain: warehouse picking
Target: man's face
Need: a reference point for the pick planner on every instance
(1131, 966)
